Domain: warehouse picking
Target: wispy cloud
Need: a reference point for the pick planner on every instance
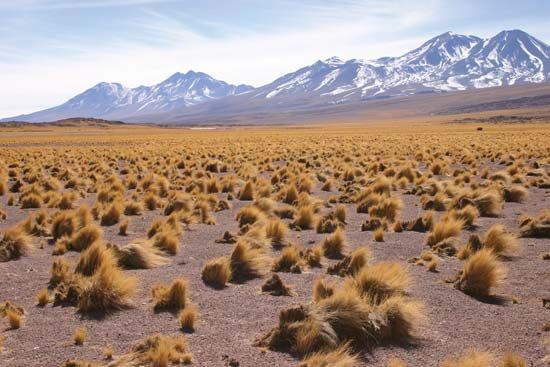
(51, 50)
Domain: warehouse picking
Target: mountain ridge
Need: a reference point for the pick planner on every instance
(447, 62)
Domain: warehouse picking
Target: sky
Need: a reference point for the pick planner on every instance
(52, 50)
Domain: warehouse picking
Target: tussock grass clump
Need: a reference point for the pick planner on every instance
(93, 258)
(14, 244)
(339, 357)
(276, 230)
(344, 317)
(380, 281)
(172, 297)
(535, 227)
(447, 227)
(395, 362)
(322, 290)
(216, 272)
(288, 261)
(333, 245)
(313, 256)
(467, 214)
(107, 290)
(500, 241)
(246, 262)
(512, 360)
(64, 224)
(482, 272)
(123, 228)
(167, 241)
(421, 224)
(31, 201)
(133, 208)
(158, 351)
(388, 209)
(305, 218)
(59, 271)
(352, 263)
(247, 192)
(43, 297)
(84, 237)
(515, 194)
(79, 336)
(139, 255)
(13, 313)
(188, 318)
(112, 215)
(249, 215)
(276, 287)
(489, 204)
(378, 234)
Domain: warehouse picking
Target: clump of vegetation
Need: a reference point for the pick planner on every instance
(171, 297)
(333, 245)
(482, 272)
(14, 244)
(188, 318)
(216, 272)
(80, 335)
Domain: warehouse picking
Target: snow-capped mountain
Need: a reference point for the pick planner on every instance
(448, 62)
(445, 63)
(114, 101)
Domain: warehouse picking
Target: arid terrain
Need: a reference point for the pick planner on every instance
(392, 244)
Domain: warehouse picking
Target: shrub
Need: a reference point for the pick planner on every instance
(471, 358)
(31, 201)
(515, 194)
(322, 290)
(82, 239)
(380, 281)
(247, 192)
(133, 208)
(93, 258)
(216, 272)
(276, 287)
(64, 224)
(378, 234)
(167, 241)
(172, 297)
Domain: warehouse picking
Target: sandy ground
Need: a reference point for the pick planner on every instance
(230, 319)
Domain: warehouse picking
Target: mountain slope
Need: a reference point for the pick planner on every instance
(448, 62)
(114, 101)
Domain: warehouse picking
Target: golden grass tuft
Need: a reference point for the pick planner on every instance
(14, 244)
(43, 297)
(247, 192)
(79, 336)
(290, 257)
(188, 318)
(333, 245)
(339, 357)
(109, 289)
(447, 227)
(15, 319)
(112, 215)
(322, 290)
(395, 362)
(93, 258)
(378, 234)
(512, 360)
(305, 218)
(246, 262)
(276, 230)
(139, 255)
(216, 272)
(167, 241)
(501, 242)
(380, 281)
(482, 272)
(84, 237)
(171, 297)
(64, 224)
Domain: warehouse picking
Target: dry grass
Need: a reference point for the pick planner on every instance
(500, 241)
(188, 318)
(289, 259)
(171, 297)
(471, 358)
(339, 357)
(482, 272)
(378, 234)
(109, 289)
(447, 227)
(80, 335)
(14, 244)
(246, 262)
(43, 297)
(333, 245)
(216, 272)
(139, 255)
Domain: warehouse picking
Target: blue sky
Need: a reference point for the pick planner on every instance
(51, 50)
